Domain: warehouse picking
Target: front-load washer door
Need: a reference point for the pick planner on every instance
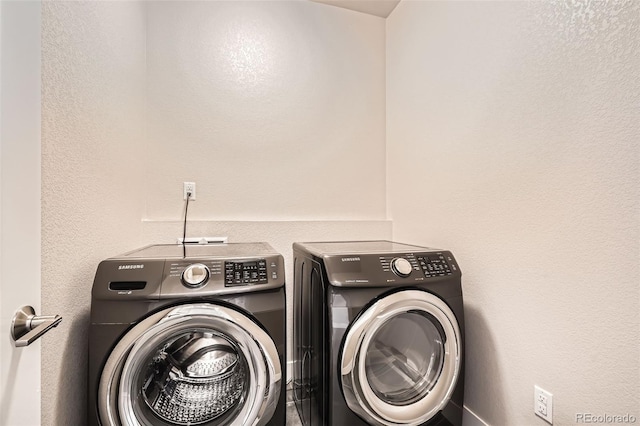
(401, 358)
(194, 364)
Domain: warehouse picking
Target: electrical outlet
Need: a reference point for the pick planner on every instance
(189, 187)
(543, 404)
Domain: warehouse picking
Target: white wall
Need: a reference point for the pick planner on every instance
(93, 150)
(269, 107)
(276, 110)
(20, 29)
(512, 139)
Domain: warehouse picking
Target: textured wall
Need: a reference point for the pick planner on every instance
(517, 124)
(93, 137)
(19, 205)
(268, 106)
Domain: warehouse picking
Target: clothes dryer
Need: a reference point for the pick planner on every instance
(188, 335)
(378, 334)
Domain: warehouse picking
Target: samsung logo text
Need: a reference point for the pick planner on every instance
(130, 267)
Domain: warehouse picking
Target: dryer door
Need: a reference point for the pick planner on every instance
(401, 359)
(189, 365)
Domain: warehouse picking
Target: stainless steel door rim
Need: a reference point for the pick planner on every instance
(356, 384)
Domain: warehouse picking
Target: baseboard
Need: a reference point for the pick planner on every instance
(469, 418)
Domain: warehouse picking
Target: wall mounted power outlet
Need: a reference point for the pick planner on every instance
(543, 404)
(189, 187)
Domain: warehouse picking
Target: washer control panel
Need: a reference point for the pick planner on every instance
(245, 272)
(170, 271)
(202, 276)
(193, 274)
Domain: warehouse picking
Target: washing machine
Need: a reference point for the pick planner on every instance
(378, 334)
(188, 335)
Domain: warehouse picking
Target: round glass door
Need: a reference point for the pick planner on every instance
(198, 364)
(405, 358)
(401, 359)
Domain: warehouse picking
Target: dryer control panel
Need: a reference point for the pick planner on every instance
(389, 269)
(436, 265)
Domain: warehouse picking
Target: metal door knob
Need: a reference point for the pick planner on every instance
(26, 326)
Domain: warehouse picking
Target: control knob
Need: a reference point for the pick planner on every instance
(401, 267)
(195, 275)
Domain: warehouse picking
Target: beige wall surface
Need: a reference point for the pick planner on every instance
(512, 139)
(511, 136)
(20, 177)
(93, 135)
(267, 106)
